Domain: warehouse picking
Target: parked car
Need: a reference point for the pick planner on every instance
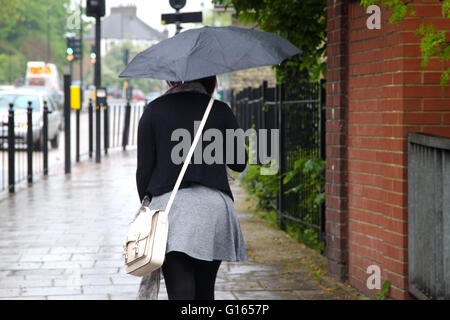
(6, 87)
(20, 98)
(114, 92)
(138, 95)
(57, 96)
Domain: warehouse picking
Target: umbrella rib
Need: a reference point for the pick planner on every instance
(221, 51)
(190, 51)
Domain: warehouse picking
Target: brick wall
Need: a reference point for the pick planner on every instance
(336, 140)
(389, 95)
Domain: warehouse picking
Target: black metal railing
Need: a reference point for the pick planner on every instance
(24, 139)
(298, 112)
(429, 216)
(118, 128)
(23, 146)
(123, 123)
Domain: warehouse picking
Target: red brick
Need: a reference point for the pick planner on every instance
(442, 131)
(335, 202)
(436, 104)
(411, 77)
(428, 10)
(335, 216)
(336, 229)
(422, 118)
(422, 91)
(336, 152)
(432, 78)
(446, 118)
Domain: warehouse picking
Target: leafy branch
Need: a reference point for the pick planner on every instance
(302, 22)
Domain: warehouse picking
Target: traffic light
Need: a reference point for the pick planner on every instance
(95, 8)
(69, 51)
(93, 55)
(73, 50)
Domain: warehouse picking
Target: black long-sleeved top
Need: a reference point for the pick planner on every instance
(156, 172)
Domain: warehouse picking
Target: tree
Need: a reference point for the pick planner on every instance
(23, 34)
(303, 22)
(215, 19)
(433, 43)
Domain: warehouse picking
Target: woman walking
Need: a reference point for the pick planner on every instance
(203, 225)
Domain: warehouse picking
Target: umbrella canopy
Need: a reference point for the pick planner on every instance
(208, 51)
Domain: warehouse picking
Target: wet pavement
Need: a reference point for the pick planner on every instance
(62, 239)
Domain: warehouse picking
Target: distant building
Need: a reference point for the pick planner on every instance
(123, 25)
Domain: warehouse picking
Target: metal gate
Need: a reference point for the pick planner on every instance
(298, 111)
(429, 216)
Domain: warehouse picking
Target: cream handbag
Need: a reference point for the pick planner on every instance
(145, 245)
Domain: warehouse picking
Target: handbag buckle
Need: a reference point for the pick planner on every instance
(136, 244)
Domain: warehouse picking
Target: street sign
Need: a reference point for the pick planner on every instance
(185, 17)
(177, 4)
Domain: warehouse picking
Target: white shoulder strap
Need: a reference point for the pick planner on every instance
(189, 156)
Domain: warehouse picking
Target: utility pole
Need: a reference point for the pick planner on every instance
(98, 84)
(178, 23)
(78, 111)
(81, 50)
(96, 9)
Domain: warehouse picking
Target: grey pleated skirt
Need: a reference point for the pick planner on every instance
(203, 224)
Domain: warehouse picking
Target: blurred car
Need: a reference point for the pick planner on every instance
(57, 96)
(20, 98)
(113, 92)
(138, 95)
(6, 87)
(152, 96)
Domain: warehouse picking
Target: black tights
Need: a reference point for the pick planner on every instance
(187, 278)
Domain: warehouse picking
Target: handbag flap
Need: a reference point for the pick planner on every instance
(139, 233)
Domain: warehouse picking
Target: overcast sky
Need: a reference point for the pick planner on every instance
(150, 10)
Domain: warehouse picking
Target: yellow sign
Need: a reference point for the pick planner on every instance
(75, 97)
(39, 70)
(125, 84)
(35, 70)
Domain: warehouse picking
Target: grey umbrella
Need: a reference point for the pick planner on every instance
(207, 51)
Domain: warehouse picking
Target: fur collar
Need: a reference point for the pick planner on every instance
(187, 87)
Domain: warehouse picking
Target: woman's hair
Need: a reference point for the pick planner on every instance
(209, 83)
